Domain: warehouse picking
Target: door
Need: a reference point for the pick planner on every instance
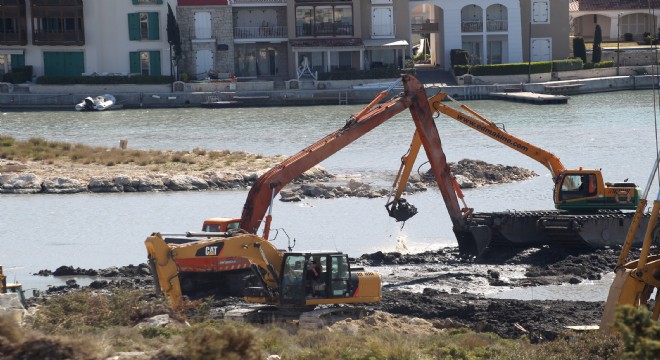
(542, 49)
(203, 63)
(58, 63)
(292, 288)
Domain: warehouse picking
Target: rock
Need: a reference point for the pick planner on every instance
(150, 183)
(185, 183)
(104, 184)
(20, 184)
(10, 305)
(156, 321)
(574, 281)
(464, 182)
(60, 185)
(98, 284)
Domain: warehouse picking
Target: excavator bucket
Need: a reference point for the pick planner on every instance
(473, 240)
(625, 290)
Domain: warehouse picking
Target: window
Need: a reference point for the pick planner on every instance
(541, 12)
(382, 21)
(324, 20)
(145, 62)
(143, 26)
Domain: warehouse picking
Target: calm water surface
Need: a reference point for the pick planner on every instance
(612, 131)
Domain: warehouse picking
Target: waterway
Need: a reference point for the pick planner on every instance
(611, 131)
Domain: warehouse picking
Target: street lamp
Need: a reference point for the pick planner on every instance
(618, 40)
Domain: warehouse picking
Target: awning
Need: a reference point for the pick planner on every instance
(386, 43)
(11, 51)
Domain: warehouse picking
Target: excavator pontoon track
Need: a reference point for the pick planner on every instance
(307, 318)
(549, 227)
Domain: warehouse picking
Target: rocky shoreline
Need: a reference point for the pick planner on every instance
(37, 178)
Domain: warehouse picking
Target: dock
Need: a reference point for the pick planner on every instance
(530, 97)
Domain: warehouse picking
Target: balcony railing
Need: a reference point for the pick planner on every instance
(261, 32)
(497, 25)
(15, 38)
(324, 29)
(58, 38)
(424, 27)
(472, 26)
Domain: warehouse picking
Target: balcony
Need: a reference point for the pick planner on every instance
(260, 32)
(13, 38)
(324, 29)
(472, 26)
(427, 27)
(58, 38)
(497, 25)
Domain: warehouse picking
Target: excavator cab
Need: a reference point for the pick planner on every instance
(585, 190)
(320, 278)
(221, 224)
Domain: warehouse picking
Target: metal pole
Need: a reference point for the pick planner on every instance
(529, 60)
(618, 40)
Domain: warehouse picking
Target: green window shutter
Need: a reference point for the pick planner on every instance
(134, 26)
(136, 2)
(154, 29)
(154, 63)
(135, 62)
(159, 2)
(17, 60)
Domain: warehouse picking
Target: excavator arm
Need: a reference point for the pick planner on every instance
(477, 122)
(414, 97)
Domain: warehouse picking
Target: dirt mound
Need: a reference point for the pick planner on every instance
(385, 321)
(482, 173)
(540, 320)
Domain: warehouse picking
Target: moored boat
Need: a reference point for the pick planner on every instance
(99, 103)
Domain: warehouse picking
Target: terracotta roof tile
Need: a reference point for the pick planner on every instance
(593, 5)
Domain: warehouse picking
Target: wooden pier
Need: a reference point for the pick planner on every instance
(530, 97)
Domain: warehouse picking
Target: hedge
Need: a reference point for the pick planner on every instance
(137, 79)
(460, 70)
(386, 73)
(19, 75)
(600, 65)
(567, 65)
(511, 69)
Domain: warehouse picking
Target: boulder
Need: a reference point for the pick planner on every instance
(104, 184)
(59, 185)
(26, 183)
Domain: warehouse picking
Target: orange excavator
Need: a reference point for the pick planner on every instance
(176, 260)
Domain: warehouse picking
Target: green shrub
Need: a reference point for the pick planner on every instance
(641, 334)
(567, 65)
(460, 70)
(597, 51)
(604, 64)
(459, 57)
(138, 79)
(511, 69)
(19, 75)
(579, 49)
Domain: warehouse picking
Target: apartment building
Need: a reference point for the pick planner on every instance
(493, 31)
(616, 18)
(74, 37)
(348, 35)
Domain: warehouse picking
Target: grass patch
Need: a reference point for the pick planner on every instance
(39, 149)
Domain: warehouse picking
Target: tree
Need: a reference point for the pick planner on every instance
(597, 50)
(579, 50)
(174, 39)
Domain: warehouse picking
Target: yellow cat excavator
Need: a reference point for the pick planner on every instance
(635, 281)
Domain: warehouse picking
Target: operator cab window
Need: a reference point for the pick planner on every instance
(578, 186)
(233, 225)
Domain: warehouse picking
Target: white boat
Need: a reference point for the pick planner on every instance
(99, 103)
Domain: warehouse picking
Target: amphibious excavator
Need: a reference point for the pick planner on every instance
(15, 288)
(588, 209)
(635, 281)
(177, 260)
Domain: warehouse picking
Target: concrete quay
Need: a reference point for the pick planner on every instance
(64, 97)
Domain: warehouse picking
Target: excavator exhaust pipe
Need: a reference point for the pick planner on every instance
(473, 240)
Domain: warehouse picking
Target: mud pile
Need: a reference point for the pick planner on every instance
(440, 289)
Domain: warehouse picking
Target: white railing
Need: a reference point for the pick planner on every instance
(260, 32)
(472, 26)
(497, 25)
